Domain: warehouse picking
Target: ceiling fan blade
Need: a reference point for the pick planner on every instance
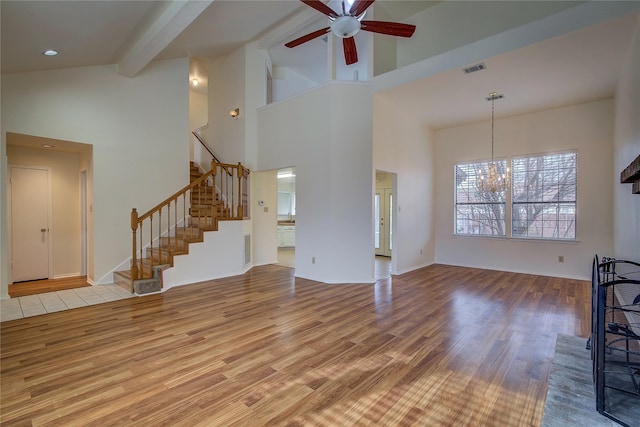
(320, 7)
(360, 6)
(390, 28)
(307, 37)
(350, 51)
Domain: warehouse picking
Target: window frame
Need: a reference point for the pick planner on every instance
(558, 203)
(475, 166)
(509, 202)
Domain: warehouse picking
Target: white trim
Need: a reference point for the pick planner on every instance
(67, 275)
(84, 221)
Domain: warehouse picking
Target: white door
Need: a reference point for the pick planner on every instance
(29, 223)
(383, 221)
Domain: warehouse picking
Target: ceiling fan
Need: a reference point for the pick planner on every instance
(346, 24)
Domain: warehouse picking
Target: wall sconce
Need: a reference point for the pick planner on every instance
(194, 82)
(234, 113)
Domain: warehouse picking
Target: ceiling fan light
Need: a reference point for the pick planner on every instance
(345, 26)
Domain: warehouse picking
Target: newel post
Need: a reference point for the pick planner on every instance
(134, 229)
(240, 175)
(214, 203)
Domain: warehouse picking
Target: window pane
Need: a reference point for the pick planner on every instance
(478, 213)
(483, 220)
(390, 221)
(544, 192)
(376, 221)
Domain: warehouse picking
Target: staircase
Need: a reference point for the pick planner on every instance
(181, 220)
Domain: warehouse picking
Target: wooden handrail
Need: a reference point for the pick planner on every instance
(205, 146)
(204, 201)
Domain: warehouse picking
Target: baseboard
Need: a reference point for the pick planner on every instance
(66, 276)
(410, 269)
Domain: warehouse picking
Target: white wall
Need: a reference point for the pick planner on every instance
(404, 147)
(198, 116)
(286, 83)
(627, 148)
(136, 126)
(585, 127)
(264, 188)
(326, 134)
(226, 136)
(220, 254)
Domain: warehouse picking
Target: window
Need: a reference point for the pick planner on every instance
(544, 196)
(478, 214)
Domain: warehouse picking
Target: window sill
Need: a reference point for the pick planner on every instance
(519, 239)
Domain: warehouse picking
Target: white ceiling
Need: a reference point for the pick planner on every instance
(575, 67)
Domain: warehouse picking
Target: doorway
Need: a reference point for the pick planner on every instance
(68, 209)
(286, 216)
(30, 219)
(383, 214)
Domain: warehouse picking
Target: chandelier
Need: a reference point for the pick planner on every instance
(494, 182)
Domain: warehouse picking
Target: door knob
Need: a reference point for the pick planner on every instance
(43, 230)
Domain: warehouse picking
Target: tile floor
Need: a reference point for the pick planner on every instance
(34, 305)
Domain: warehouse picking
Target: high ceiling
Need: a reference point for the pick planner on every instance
(578, 66)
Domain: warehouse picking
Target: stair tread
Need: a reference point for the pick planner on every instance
(205, 210)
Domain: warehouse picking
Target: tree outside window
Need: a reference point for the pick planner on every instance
(543, 198)
(481, 214)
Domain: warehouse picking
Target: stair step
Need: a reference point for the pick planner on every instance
(176, 244)
(123, 279)
(190, 234)
(205, 210)
(205, 223)
(160, 256)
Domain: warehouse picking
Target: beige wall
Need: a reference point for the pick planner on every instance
(627, 148)
(65, 176)
(264, 188)
(587, 128)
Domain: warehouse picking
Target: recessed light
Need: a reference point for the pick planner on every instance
(48, 146)
(50, 52)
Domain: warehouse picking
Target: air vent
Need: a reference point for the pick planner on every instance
(474, 68)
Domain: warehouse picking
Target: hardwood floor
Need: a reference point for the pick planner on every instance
(46, 285)
(437, 346)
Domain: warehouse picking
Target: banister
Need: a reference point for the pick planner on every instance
(216, 200)
(205, 146)
(174, 196)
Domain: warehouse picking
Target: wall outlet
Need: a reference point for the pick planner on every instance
(266, 209)
(561, 258)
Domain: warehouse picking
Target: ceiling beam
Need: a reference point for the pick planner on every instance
(176, 17)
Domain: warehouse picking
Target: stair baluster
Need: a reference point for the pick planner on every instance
(210, 198)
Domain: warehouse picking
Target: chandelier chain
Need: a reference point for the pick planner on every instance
(494, 181)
